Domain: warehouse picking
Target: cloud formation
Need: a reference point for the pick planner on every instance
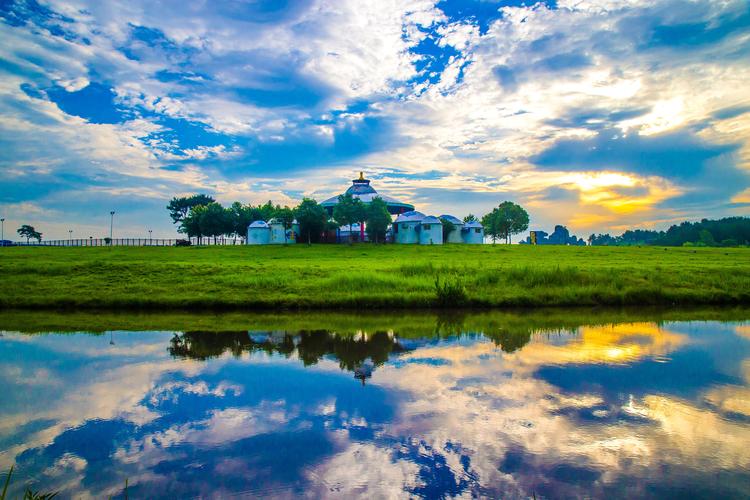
(595, 114)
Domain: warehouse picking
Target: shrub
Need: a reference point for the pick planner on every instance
(450, 293)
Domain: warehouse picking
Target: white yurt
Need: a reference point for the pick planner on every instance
(258, 233)
(455, 235)
(473, 233)
(431, 231)
(277, 233)
(406, 227)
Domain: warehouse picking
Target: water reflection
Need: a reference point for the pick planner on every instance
(496, 405)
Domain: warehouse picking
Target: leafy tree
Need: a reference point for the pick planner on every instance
(213, 220)
(378, 218)
(448, 228)
(242, 216)
(470, 218)
(348, 211)
(191, 224)
(267, 210)
(180, 207)
(29, 232)
(505, 220)
(312, 218)
(707, 238)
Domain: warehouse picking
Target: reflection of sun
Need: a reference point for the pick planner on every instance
(743, 331)
(623, 343)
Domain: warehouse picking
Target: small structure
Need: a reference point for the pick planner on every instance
(351, 232)
(258, 233)
(278, 233)
(406, 227)
(454, 236)
(430, 231)
(473, 233)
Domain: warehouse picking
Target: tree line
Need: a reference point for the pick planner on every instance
(200, 215)
(726, 232)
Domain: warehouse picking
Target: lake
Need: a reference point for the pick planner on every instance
(485, 404)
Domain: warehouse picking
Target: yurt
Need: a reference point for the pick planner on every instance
(258, 233)
(430, 231)
(406, 227)
(458, 225)
(473, 233)
(277, 233)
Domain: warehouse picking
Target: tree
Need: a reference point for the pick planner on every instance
(448, 228)
(213, 220)
(312, 219)
(378, 218)
(191, 224)
(242, 216)
(179, 208)
(505, 220)
(29, 232)
(470, 218)
(348, 211)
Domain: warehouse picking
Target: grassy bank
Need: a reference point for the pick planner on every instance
(366, 276)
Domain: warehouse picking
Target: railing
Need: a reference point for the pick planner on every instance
(127, 242)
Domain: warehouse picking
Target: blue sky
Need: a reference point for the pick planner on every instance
(600, 115)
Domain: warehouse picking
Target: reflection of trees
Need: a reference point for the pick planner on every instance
(310, 346)
(510, 340)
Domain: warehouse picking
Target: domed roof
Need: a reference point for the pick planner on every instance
(474, 223)
(431, 219)
(362, 190)
(453, 220)
(412, 216)
(258, 224)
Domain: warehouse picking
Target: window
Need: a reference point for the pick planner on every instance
(477, 230)
(426, 226)
(404, 226)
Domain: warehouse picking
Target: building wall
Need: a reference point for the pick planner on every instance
(473, 237)
(407, 233)
(277, 235)
(455, 236)
(258, 236)
(431, 234)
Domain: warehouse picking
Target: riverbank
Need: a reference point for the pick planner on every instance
(369, 277)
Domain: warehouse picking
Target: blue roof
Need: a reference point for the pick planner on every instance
(454, 220)
(412, 216)
(431, 219)
(258, 224)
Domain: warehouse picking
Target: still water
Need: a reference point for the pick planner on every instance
(474, 404)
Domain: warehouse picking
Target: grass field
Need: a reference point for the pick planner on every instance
(368, 277)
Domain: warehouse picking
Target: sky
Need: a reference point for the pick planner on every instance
(601, 115)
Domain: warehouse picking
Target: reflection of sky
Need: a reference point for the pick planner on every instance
(630, 409)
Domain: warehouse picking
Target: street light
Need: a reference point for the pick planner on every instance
(70, 233)
(149, 236)
(111, 225)
(2, 230)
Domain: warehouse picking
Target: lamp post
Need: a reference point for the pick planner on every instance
(2, 230)
(111, 225)
(70, 234)
(149, 237)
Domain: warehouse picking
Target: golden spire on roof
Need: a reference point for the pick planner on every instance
(361, 176)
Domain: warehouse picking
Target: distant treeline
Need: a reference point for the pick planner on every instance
(727, 232)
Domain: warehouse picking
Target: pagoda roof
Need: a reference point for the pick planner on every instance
(362, 190)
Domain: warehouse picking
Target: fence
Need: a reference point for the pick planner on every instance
(127, 242)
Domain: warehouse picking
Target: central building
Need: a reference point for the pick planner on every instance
(361, 190)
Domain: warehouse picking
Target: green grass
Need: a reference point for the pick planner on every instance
(368, 277)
